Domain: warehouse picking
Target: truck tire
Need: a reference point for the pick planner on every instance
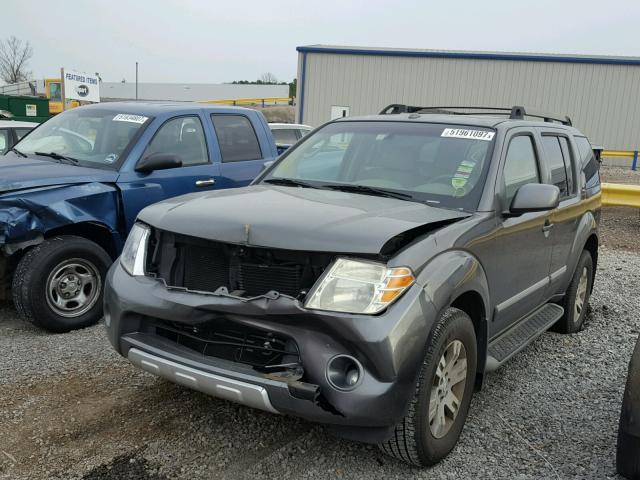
(628, 454)
(431, 428)
(576, 300)
(58, 285)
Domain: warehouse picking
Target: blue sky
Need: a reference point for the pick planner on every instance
(217, 41)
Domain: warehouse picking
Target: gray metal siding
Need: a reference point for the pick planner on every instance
(602, 100)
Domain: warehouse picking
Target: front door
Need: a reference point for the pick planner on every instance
(518, 272)
(181, 136)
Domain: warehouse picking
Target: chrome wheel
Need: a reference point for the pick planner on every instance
(581, 294)
(73, 287)
(447, 390)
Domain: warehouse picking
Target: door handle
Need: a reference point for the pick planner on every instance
(547, 226)
(205, 183)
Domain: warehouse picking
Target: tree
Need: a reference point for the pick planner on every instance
(14, 57)
(268, 78)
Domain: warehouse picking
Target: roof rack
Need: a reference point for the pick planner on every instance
(514, 113)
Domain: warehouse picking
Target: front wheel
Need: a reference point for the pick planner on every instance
(443, 393)
(58, 284)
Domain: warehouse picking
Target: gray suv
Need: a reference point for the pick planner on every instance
(372, 276)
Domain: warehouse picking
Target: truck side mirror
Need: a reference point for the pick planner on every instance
(535, 197)
(158, 161)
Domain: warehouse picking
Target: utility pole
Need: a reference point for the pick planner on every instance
(136, 80)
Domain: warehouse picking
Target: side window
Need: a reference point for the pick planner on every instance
(4, 141)
(521, 166)
(237, 138)
(183, 137)
(588, 162)
(555, 162)
(285, 136)
(569, 163)
(21, 132)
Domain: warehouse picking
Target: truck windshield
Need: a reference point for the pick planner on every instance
(442, 165)
(92, 137)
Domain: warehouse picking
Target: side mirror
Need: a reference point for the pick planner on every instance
(158, 161)
(535, 197)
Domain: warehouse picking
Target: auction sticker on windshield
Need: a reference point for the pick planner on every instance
(468, 134)
(125, 117)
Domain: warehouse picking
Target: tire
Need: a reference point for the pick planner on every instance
(572, 321)
(628, 452)
(417, 440)
(58, 285)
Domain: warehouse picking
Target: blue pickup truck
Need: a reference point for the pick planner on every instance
(71, 189)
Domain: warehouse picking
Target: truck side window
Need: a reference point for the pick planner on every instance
(183, 137)
(521, 166)
(285, 136)
(555, 162)
(236, 137)
(21, 132)
(4, 141)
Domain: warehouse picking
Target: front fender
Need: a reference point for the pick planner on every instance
(27, 216)
(450, 275)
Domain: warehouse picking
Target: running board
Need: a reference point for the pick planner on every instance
(522, 334)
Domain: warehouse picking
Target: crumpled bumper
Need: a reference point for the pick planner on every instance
(389, 346)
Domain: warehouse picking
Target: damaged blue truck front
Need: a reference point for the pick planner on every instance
(71, 190)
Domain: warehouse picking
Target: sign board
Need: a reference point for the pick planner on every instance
(81, 86)
(338, 111)
(32, 110)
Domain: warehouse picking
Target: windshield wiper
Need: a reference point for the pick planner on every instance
(290, 182)
(381, 192)
(18, 152)
(57, 156)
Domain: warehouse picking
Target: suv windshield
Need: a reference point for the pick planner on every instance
(437, 164)
(92, 137)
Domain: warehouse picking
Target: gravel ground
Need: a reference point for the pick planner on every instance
(70, 408)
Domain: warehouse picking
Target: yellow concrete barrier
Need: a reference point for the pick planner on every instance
(615, 194)
(251, 101)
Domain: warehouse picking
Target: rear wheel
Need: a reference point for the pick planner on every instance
(58, 284)
(443, 393)
(576, 300)
(628, 454)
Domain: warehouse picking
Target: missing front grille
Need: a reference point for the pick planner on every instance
(265, 351)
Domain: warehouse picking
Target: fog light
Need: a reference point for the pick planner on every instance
(344, 372)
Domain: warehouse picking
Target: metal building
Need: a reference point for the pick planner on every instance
(601, 94)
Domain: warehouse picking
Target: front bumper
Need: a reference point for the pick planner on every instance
(390, 348)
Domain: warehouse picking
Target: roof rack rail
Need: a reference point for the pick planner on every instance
(514, 113)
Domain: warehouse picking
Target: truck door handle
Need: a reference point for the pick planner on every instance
(205, 183)
(547, 226)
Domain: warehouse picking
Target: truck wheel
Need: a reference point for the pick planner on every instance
(628, 455)
(58, 284)
(443, 393)
(576, 300)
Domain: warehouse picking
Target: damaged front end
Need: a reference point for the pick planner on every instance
(28, 216)
(228, 319)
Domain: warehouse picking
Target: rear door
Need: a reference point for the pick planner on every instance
(243, 154)
(560, 157)
(184, 137)
(518, 269)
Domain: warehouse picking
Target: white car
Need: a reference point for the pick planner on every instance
(286, 134)
(12, 131)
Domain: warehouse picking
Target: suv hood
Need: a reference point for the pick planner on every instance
(18, 173)
(295, 218)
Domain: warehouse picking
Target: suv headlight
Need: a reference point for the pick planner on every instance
(134, 252)
(358, 286)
